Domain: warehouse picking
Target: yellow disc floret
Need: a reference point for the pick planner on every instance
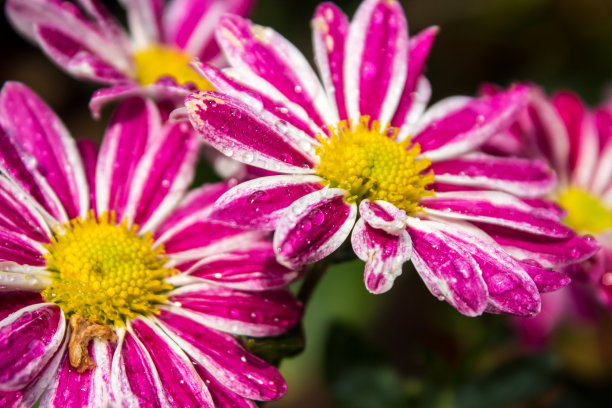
(105, 272)
(157, 61)
(585, 212)
(367, 162)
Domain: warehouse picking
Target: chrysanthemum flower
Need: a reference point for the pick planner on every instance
(88, 43)
(577, 142)
(117, 288)
(360, 144)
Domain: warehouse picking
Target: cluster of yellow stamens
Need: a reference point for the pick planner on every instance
(105, 272)
(585, 212)
(157, 61)
(367, 162)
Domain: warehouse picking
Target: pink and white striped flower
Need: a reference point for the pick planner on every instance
(577, 142)
(88, 43)
(96, 312)
(353, 145)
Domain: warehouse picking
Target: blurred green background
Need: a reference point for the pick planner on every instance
(405, 348)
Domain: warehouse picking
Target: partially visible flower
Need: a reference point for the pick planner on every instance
(360, 143)
(152, 58)
(577, 142)
(117, 288)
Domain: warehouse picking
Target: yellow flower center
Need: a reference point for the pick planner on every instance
(157, 61)
(585, 212)
(367, 162)
(105, 272)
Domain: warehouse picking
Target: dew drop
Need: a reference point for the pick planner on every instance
(286, 157)
(243, 359)
(297, 89)
(225, 128)
(212, 103)
(317, 217)
(306, 226)
(259, 196)
(234, 312)
(282, 127)
(236, 113)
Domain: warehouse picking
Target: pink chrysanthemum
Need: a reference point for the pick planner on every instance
(359, 143)
(577, 142)
(152, 58)
(117, 288)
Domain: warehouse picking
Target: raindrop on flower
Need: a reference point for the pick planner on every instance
(286, 157)
(236, 113)
(258, 196)
(317, 217)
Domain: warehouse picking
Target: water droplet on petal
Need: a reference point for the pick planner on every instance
(286, 157)
(259, 196)
(317, 217)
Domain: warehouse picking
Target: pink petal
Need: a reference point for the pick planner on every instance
(521, 177)
(448, 270)
(73, 31)
(383, 253)
(20, 168)
(251, 268)
(496, 208)
(20, 249)
(376, 60)
(190, 23)
(255, 314)
(224, 359)
(163, 174)
(267, 54)
(549, 252)
(583, 139)
(89, 155)
(91, 388)
(135, 381)
(511, 289)
(383, 215)
(452, 129)
(313, 227)
(144, 19)
(260, 203)
(221, 395)
(12, 301)
(411, 99)
(546, 280)
(20, 215)
(163, 89)
(132, 126)
(329, 30)
(196, 205)
(236, 130)
(182, 385)
(28, 339)
(33, 126)
(272, 106)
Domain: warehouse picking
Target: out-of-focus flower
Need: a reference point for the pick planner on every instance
(360, 143)
(117, 288)
(152, 58)
(577, 142)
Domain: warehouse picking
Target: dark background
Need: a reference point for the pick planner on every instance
(405, 348)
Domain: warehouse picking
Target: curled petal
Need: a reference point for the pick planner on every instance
(313, 227)
(383, 253)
